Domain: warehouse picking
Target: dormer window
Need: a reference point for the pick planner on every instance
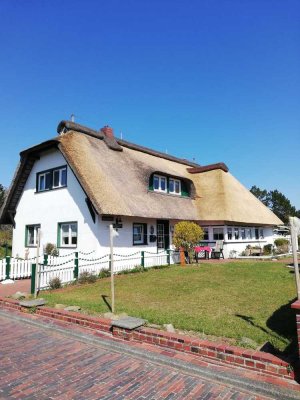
(169, 185)
(54, 178)
(160, 183)
(174, 186)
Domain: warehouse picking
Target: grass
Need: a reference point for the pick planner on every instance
(228, 300)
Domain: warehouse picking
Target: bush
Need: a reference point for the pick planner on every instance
(282, 246)
(51, 250)
(55, 283)
(267, 249)
(281, 242)
(87, 277)
(104, 273)
(187, 235)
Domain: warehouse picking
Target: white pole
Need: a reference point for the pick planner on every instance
(111, 235)
(295, 257)
(38, 241)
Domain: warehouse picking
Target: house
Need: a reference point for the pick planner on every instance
(74, 185)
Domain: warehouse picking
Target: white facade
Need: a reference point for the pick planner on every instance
(68, 204)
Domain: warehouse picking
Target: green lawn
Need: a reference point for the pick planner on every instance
(231, 300)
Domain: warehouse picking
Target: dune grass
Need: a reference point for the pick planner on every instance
(232, 300)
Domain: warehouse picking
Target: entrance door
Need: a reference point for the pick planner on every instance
(163, 235)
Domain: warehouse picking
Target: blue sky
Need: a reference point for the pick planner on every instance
(209, 80)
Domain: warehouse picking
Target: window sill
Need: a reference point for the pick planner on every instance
(50, 190)
(139, 244)
(67, 247)
(180, 196)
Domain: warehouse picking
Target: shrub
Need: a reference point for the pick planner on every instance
(87, 277)
(282, 245)
(281, 242)
(104, 273)
(187, 235)
(55, 283)
(267, 249)
(51, 250)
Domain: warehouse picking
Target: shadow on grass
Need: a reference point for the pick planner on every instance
(282, 323)
(104, 298)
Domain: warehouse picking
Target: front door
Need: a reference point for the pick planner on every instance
(163, 235)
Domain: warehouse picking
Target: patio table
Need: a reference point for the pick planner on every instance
(206, 249)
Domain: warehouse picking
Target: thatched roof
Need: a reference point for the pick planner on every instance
(115, 177)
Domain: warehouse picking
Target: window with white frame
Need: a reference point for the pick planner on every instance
(44, 181)
(31, 235)
(229, 233)
(59, 177)
(67, 234)
(139, 233)
(261, 233)
(218, 233)
(236, 233)
(243, 233)
(174, 186)
(249, 233)
(51, 179)
(206, 233)
(160, 183)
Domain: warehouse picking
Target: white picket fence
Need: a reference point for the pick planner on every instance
(64, 267)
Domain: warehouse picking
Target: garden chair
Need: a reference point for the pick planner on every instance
(217, 252)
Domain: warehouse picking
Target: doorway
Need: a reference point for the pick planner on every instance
(163, 234)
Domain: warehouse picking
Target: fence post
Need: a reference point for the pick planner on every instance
(143, 259)
(168, 257)
(33, 272)
(45, 259)
(76, 266)
(7, 269)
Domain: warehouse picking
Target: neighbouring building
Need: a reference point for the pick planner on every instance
(73, 186)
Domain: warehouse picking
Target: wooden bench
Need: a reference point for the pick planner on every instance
(255, 251)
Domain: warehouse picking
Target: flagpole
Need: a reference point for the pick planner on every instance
(295, 257)
(111, 235)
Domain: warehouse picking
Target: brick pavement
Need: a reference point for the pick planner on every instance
(21, 285)
(42, 364)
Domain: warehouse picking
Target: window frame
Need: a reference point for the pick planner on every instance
(35, 227)
(51, 171)
(216, 236)
(160, 178)
(174, 183)
(60, 244)
(144, 236)
(229, 232)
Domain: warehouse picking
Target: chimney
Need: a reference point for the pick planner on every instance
(108, 131)
(109, 138)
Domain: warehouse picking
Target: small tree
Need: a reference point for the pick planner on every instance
(187, 235)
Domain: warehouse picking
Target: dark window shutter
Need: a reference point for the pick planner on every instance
(145, 234)
(151, 182)
(184, 189)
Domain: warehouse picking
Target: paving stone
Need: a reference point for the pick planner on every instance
(32, 303)
(129, 322)
(72, 308)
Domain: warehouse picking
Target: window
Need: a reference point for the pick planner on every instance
(236, 233)
(67, 234)
(229, 233)
(261, 233)
(174, 186)
(160, 183)
(243, 233)
(249, 234)
(206, 235)
(51, 179)
(218, 233)
(59, 177)
(256, 230)
(139, 233)
(31, 235)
